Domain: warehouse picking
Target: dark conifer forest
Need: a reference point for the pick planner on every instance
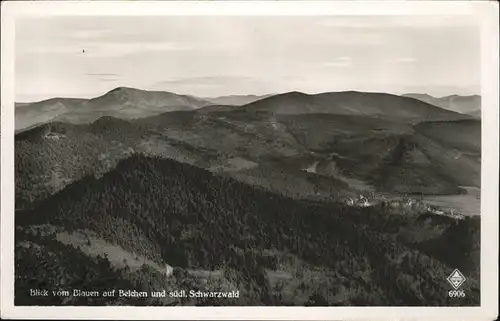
(191, 219)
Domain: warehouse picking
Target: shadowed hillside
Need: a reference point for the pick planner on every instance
(342, 145)
(52, 155)
(391, 156)
(44, 164)
(196, 221)
(463, 135)
(378, 105)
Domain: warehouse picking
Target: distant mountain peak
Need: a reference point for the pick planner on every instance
(295, 92)
(121, 102)
(290, 95)
(123, 88)
(137, 91)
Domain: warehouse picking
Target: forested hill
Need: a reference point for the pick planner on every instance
(189, 218)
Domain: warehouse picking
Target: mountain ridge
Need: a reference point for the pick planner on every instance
(120, 102)
(381, 105)
(464, 104)
(128, 103)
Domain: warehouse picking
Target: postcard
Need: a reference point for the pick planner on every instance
(295, 160)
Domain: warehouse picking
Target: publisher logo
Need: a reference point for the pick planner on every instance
(456, 279)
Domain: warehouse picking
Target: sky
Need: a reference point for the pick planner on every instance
(209, 56)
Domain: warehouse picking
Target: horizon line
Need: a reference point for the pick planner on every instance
(241, 94)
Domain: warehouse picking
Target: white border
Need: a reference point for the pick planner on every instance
(485, 12)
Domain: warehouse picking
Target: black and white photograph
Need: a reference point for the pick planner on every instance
(248, 160)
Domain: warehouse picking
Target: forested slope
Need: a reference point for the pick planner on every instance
(192, 219)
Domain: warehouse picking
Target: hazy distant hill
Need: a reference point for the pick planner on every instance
(121, 102)
(236, 100)
(476, 114)
(20, 104)
(378, 105)
(457, 103)
(220, 234)
(29, 114)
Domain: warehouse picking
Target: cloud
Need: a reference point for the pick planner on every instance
(404, 60)
(125, 49)
(213, 85)
(100, 74)
(338, 62)
(397, 21)
(212, 80)
(105, 77)
(108, 79)
(103, 35)
(346, 23)
(87, 34)
(94, 49)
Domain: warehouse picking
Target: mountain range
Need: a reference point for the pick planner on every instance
(130, 103)
(253, 142)
(461, 104)
(133, 184)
